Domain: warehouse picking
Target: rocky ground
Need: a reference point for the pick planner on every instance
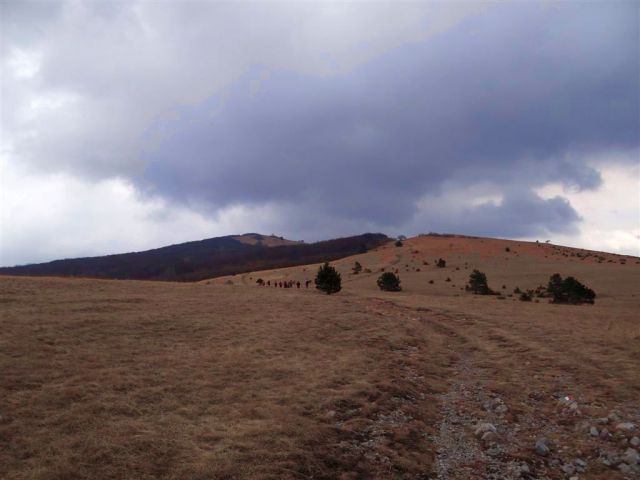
(496, 445)
(535, 427)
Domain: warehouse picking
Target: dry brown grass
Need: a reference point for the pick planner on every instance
(115, 379)
(107, 379)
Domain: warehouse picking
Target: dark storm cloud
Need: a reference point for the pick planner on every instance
(517, 97)
(519, 214)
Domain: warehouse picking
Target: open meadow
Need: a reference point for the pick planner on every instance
(225, 379)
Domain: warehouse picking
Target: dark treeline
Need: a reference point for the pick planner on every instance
(193, 261)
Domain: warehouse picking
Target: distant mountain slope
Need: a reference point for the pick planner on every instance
(202, 259)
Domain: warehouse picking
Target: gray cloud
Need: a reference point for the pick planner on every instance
(515, 97)
(317, 120)
(519, 214)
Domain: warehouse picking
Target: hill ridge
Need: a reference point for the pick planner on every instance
(199, 259)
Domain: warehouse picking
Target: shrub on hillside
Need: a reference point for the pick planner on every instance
(441, 263)
(525, 297)
(398, 243)
(569, 290)
(328, 279)
(389, 282)
(357, 268)
(260, 282)
(478, 283)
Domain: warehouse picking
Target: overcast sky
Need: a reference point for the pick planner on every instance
(133, 125)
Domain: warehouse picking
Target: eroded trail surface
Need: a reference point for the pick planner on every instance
(519, 404)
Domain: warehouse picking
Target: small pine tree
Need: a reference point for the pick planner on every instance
(357, 268)
(478, 283)
(328, 279)
(389, 282)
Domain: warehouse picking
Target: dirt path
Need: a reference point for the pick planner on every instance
(505, 393)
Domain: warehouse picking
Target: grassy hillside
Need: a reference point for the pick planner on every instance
(160, 380)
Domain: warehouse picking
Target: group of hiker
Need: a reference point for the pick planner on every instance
(287, 284)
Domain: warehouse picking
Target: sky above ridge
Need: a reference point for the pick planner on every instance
(132, 125)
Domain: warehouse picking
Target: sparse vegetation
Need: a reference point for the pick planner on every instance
(525, 297)
(328, 279)
(441, 263)
(389, 282)
(260, 282)
(228, 343)
(357, 268)
(569, 290)
(398, 243)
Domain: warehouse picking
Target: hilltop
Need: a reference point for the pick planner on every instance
(508, 263)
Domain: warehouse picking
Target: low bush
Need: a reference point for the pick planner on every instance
(569, 290)
(525, 297)
(389, 282)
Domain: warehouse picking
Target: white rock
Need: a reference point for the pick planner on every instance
(626, 426)
(614, 416)
(631, 456)
(624, 468)
(489, 437)
(635, 441)
(482, 428)
(593, 431)
(542, 448)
